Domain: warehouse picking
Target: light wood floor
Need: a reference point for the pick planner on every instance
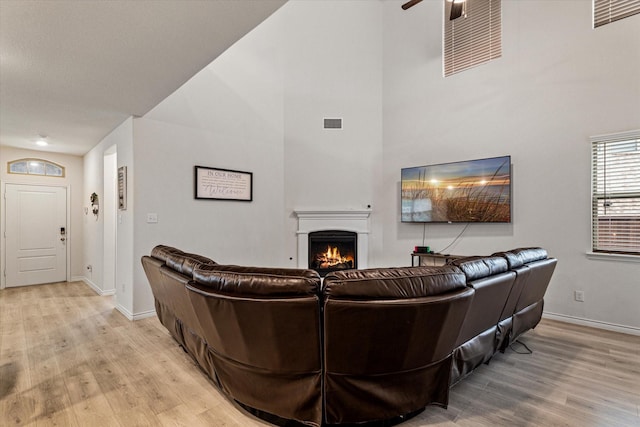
(68, 358)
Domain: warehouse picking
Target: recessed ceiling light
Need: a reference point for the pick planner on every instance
(42, 141)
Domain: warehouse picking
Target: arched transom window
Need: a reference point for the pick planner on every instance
(35, 167)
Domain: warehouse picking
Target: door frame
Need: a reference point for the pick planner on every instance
(3, 220)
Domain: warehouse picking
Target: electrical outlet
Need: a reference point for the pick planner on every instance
(578, 296)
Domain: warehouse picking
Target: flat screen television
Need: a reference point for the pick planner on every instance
(468, 191)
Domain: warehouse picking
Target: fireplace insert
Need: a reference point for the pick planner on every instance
(332, 250)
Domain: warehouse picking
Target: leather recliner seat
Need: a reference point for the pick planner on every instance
(262, 328)
(492, 281)
(388, 340)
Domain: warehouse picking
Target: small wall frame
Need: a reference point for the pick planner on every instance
(223, 184)
(122, 188)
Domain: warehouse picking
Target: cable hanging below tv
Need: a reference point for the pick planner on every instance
(467, 191)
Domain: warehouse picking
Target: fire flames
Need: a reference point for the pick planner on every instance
(332, 258)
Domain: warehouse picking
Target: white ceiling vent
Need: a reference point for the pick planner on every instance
(333, 123)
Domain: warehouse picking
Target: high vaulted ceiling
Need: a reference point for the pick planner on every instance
(74, 70)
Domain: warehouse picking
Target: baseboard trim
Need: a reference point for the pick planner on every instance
(630, 330)
(126, 313)
(133, 317)
(144, 315)
(94, 287)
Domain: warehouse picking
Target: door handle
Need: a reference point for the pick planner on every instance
(62, 239)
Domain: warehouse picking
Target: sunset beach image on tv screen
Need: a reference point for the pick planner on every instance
(467, 191)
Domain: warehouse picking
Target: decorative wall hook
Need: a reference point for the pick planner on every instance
(95, 204)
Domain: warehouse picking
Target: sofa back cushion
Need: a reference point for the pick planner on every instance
(182, 262)
(478, 267)
(294, 272)
(513, 261)
(186, 263)
(257, 281)
(528, 255)
(161, 252)
(393, 283)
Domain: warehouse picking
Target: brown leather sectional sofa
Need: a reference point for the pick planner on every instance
(374, 345)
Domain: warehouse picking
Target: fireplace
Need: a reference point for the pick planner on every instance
(332, 250)
(352, 221)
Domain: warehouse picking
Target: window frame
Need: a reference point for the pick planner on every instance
(604, 240)
(608, 11)
(479, 32)
(45, 163)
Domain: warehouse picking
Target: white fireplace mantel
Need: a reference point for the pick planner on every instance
(310, 220)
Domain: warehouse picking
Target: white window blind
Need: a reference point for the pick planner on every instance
(607, 11)
(472, 39)
(615, 193)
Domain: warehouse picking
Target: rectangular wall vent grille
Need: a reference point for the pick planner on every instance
(333, 123)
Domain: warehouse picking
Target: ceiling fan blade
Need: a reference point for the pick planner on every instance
(410, 3)
(456, 10)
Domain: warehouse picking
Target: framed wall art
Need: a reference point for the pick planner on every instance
(122, 188)
(223, 184)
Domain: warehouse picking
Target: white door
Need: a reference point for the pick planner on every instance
(36, 234)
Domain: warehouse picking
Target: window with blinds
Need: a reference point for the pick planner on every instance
(615, 193)
(607, 11)
(474, 38)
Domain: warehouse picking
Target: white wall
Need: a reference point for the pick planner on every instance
(558, 82)
(122, 139)
(126, 260)
(333, 69)
(230, 116)
(94, 225)
(109, 214)
(73, 179)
